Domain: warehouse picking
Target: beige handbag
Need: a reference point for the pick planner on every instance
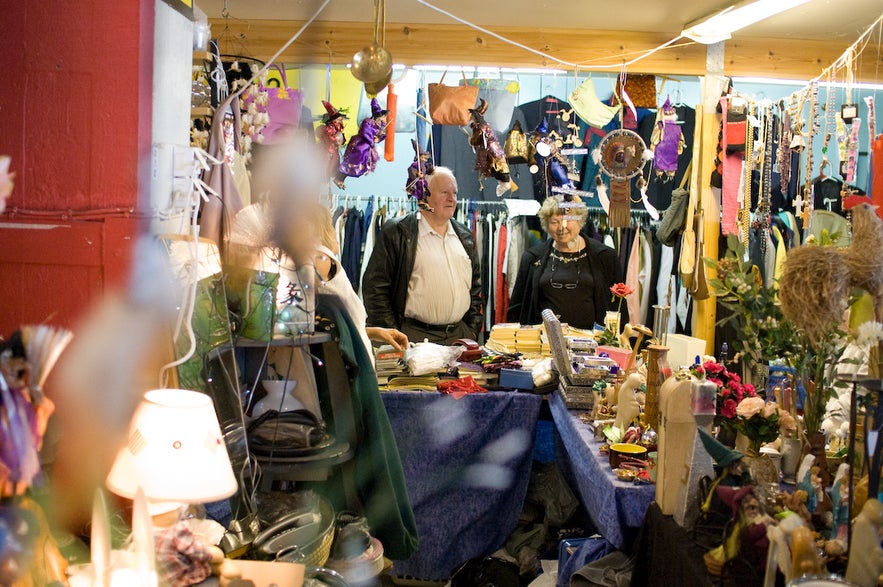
(451, 104)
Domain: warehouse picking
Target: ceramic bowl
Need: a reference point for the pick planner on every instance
(623, 449)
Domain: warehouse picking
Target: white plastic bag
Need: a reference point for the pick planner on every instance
(427, 357)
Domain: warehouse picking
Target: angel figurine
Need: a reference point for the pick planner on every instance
(330, 135)
(490, 159)
(361, 154)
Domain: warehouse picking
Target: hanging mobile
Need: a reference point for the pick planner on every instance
(621, 156)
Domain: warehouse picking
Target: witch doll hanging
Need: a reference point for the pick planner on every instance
(331, 138)
(548, 160)
(490, 159)
(667, 142)
(418, 186)
(361, 154)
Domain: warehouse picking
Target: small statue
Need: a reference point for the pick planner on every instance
(627, 406)
(865, 554)
(748, 538)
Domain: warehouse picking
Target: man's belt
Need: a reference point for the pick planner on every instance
(446, 328)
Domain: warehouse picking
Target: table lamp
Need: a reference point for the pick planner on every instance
(175, 451)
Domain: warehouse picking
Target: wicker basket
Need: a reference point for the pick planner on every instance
(316, 551)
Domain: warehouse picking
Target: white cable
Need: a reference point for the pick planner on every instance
(540, 53)
(276, 55)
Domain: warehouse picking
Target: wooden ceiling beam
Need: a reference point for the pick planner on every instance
(422, 44)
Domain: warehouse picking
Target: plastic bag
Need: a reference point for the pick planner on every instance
(427, 357)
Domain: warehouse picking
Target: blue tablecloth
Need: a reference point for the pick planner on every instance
(467, 466)
(617, 507)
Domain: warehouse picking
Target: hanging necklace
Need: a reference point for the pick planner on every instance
(745, 209)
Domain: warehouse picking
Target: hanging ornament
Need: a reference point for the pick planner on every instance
(621, 156)
(373, 64)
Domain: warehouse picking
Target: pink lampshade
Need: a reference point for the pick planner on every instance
(175, 451)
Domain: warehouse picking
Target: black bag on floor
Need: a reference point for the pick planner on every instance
(486, 572)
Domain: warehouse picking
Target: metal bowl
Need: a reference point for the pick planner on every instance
(372, 64)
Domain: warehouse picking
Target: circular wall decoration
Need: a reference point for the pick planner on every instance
(622, 154)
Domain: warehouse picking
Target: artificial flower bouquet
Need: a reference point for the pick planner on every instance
(730, 391)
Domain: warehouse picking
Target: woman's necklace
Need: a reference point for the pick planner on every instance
(569, 256)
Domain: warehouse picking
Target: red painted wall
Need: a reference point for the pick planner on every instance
(75, 116)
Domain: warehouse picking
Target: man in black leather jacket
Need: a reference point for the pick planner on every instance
(423, 276)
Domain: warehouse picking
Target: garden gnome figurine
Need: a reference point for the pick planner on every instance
(865, 554)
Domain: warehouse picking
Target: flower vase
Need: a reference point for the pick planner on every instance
(760, 466)
(727, 436)
(612, 321)
(815, 445)
(791, 454)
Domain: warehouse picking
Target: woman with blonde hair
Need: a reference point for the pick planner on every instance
(335, 281)
(570, 273)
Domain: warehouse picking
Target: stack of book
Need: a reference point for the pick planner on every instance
(480, 376)
(389, 362)
(518, 338)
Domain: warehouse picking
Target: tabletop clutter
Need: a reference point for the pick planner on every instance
(725, 457)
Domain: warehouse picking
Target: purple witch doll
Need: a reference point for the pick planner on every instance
(418, 186)
(361, 153)
(667, 142)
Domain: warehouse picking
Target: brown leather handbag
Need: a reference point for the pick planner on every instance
(451, 104)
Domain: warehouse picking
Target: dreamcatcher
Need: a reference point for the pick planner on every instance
(621, 156)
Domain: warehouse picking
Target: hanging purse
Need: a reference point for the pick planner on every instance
(515, 147)
(641, 89)
(687, 260)
(283, 109)
(451, 104)
(675, 216)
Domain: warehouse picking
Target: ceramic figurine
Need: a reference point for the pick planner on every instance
(865, 554)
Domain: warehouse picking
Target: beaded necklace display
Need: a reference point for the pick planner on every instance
(745, 209)
(783, 165)
(764, 205)
(806, 215)
(830, 121)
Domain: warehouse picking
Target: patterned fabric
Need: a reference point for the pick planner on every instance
(617, 508)
(463, 510)
(182, 559)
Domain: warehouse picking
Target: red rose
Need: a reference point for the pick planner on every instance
(621, 290)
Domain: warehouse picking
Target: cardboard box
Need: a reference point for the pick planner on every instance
(621, 356)
(683, 350)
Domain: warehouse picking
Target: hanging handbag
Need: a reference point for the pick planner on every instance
(515, 147)
(687, 260)
(451, 104)
(284, 105)
(641, 89)
(675, 216)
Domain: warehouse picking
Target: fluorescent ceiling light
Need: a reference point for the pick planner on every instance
(719, 26)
